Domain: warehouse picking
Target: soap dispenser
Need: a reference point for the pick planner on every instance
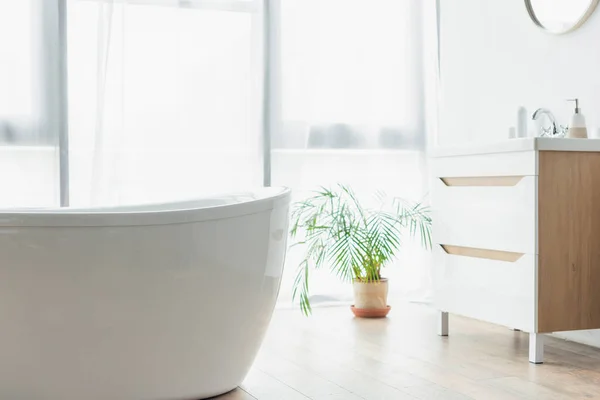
(577, 128)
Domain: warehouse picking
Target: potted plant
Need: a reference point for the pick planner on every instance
(355, 242)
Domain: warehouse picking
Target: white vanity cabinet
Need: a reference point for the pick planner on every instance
(517, 235)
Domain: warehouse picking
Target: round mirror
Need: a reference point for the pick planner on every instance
(560, 16)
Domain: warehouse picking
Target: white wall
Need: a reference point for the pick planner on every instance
(494, 59)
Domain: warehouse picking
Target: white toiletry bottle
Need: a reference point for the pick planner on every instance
(577, 128)
(522, 122)
(512, 132)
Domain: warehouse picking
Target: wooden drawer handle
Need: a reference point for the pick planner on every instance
(483, 181)
(481, 253)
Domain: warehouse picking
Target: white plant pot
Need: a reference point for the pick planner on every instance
(370, 295)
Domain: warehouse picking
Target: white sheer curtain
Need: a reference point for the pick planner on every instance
(28, 152)
(165, 102)
(351, 74)
(164, 99)
(17, 71)
(352, 110)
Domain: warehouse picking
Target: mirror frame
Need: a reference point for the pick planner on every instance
(582, 20)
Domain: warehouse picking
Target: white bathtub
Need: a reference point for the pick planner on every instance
(158, 302)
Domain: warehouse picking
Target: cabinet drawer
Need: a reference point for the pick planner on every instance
(501, 292)
(496, 213)
(520, 163)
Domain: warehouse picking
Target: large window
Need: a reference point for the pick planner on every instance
(28, 118)
(165, 99)
(170, 99)
(18, 120)
(351, 74)
(350, 90)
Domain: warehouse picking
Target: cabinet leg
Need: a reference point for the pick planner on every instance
(442, 327)
(536, 348)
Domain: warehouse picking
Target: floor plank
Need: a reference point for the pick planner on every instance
(265, 387)
(237, 394)
(334, 356)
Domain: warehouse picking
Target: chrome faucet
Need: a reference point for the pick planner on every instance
(547, 113)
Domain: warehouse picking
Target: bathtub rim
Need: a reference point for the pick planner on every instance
(149, 213)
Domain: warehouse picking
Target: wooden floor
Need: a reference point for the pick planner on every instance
(332, 355)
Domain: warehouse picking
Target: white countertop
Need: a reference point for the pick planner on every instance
(520, 144)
